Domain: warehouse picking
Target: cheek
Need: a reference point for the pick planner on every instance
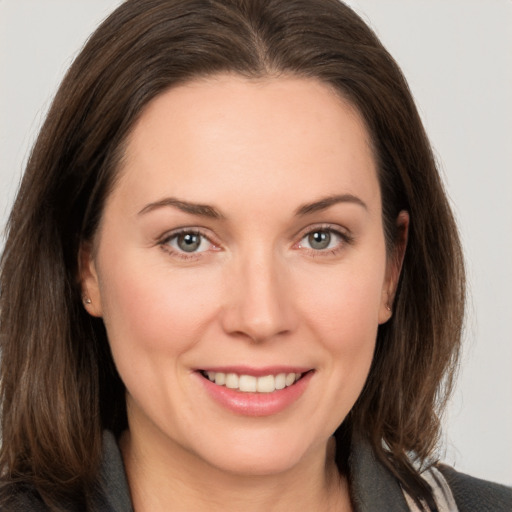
(345, 306)
(342, 310)
(349, 335)
(148, 308)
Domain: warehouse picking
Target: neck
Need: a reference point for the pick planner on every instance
(168, 478)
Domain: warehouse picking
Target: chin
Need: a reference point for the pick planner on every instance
(261, 455)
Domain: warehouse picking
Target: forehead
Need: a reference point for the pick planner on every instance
(257, 138)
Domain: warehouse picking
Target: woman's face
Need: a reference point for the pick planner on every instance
(241, 249)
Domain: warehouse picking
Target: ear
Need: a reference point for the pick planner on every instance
(89, 281)
(394, 267)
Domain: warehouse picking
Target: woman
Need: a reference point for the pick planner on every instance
(225, 282)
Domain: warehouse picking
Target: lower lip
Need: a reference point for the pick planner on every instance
(256, 404)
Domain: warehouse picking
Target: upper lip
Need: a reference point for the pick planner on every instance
(256, 372)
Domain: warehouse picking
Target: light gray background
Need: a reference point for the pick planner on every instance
(457, 56)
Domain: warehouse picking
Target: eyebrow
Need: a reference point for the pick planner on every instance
(205, 210)
(202, 210)
(326, 202)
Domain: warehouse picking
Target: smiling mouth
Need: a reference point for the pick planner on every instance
(252, 384)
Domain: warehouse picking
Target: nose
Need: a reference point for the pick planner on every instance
(259, 304)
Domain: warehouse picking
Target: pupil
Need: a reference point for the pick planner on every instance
(189, 242)
(319, 239)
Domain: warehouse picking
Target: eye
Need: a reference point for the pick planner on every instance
(323, 239)
(319, 240)
(188, 242)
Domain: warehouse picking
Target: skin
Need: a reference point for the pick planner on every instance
(256, 292)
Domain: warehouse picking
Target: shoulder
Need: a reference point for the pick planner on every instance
(109, 494)
(20, 498)
(473, 494)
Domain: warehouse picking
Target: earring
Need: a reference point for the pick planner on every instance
(388, 307)
(87, 301)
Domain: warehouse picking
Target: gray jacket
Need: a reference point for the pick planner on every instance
(374, 488)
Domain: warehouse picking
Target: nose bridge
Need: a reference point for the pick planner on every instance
(259, 305)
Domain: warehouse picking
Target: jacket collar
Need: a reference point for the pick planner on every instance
(373, 487)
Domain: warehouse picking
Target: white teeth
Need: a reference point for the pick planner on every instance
(281, 381)
(247, 383)
(232, 381)
(251, 384)
(266, 384)
(290, 379)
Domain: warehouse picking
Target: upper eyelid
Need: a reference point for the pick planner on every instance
(178, 231)
(335, 228)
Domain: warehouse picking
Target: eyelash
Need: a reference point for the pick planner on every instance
(345, 239)
(164, 243)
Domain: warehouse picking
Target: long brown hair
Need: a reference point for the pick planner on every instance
(59, 385)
